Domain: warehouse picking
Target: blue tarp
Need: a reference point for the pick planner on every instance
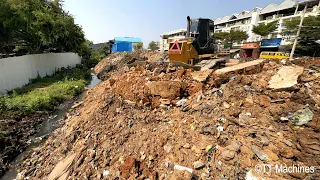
(272, 42)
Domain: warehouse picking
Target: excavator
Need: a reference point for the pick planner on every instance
(198, 48)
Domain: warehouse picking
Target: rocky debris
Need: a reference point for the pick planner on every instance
(220, 128)
(166, 89)
(198, 165)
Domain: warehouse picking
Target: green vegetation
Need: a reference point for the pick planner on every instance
(99, 54)
(42, 94)
(228, 38)
(265, 29)
(37, 26)
(139, 46)
(308, 42)
(153, 46)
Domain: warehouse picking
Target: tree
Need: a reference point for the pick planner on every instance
(138, 46)
(228, 38)
(38, 26)
(153, 46)
(105, 49)
(308, 42)
(265, 29)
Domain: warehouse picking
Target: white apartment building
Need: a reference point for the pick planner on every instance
(246, 20)
(168, 37)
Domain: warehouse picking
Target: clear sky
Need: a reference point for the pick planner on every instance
(102, 20)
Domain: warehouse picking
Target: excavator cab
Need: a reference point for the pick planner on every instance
(199, 42)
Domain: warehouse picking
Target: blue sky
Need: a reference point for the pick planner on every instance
(103, 20)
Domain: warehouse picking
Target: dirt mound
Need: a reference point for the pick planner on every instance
(115, 61)
(159, 123)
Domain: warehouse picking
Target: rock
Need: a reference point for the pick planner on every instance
(228, 155)
(286, 77)
(165, 101)
(198, 165)
(209, 129)
(20, 176)
(301, 117)
(229, 152)
(165, 89)
(167, 147)
(261, 155)
(181, 102)
(264, 100)
(226, 105)
(187, 146)
(287, 142)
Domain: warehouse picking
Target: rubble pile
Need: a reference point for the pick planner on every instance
(157, 122)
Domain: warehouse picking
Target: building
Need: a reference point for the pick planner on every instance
(125, 44)
(171, 36)
(246, 20)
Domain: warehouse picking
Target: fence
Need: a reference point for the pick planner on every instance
(17, 71)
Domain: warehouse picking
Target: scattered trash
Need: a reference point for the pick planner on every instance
(183, 168)
(301, 117)
(106, 173)
(209, 148)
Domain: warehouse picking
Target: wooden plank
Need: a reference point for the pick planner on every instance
(239, 66)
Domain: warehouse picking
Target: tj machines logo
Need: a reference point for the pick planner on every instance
(282, 168)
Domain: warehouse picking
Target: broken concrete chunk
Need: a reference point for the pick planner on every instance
(286, 77)
(301, 117)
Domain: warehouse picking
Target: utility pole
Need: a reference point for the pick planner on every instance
(298, 33)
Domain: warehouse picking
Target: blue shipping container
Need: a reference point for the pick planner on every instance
(122, 47)
(124, 44)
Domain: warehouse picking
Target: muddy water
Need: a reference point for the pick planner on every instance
(45, 129)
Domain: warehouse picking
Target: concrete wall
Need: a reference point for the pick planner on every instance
(17, 71)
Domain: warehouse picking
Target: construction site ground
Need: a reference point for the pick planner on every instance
(150, 120)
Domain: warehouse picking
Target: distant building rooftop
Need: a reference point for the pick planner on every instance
(128, 39)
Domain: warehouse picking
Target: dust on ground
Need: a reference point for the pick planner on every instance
(156, 122)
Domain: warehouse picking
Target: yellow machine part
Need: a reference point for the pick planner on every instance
(182, 51)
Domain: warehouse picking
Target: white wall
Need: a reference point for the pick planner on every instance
(17, 71)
